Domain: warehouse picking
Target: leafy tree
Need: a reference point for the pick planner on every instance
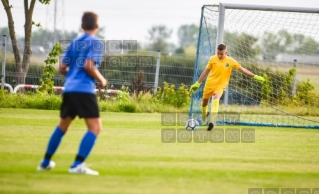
(180, 50)
(187, 35)
(296, 41)
(22, 67)
(273, 44)
(46, 82)
(308, 46)
(158, 36)
(4, 31)
(100, 33)
(44, 36)
(241, 45)
(299, 44)
(285, 42)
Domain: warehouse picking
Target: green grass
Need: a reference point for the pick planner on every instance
(131, 158)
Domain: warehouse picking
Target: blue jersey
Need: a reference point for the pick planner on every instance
(82, 48)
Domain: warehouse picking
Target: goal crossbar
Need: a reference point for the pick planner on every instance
(267, 8)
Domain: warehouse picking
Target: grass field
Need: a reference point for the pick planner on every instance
(131, 158)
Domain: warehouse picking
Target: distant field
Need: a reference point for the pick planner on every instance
(131, 158)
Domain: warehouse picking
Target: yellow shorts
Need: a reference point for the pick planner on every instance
(209, 92)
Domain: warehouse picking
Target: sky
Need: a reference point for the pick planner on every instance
(129, 19)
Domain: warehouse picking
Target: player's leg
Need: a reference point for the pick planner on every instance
(88, 141)
(207, 94)
(90, 111)
(54, 143)
(205, 112)
(55, 139)
(86, 145)
(215, 108)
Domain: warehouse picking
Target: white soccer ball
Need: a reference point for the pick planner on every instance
(192, 124)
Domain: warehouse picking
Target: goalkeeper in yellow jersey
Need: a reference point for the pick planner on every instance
(219, 69)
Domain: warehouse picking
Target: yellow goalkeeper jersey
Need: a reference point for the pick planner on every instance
(220, 71)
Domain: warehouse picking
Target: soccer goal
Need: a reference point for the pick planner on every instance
(279, 43)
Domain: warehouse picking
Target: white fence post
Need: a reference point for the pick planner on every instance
(3, 75)
(294, 81)
(158, 63)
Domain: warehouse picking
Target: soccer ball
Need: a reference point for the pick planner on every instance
(192, 124)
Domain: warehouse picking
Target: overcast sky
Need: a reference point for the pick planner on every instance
(124, 19)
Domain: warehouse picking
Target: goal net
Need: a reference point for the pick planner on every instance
(279, 43)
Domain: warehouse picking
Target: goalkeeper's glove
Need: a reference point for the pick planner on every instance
(259, 78)
(194, 87)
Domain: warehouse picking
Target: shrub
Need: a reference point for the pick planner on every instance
(306, 94)
(266, 88)
(123, 97)
(127, 107)
(169, 96)
(283, 95)
(33, 101)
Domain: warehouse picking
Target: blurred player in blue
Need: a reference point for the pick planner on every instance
(79, 98)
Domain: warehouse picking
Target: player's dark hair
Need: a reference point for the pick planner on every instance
(221, 47)
(89, 20)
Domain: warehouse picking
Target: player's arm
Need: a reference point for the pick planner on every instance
(63, 68)
(250, 74)
(246, 72)
(203, 75)
(93, 72)
(201, 78)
